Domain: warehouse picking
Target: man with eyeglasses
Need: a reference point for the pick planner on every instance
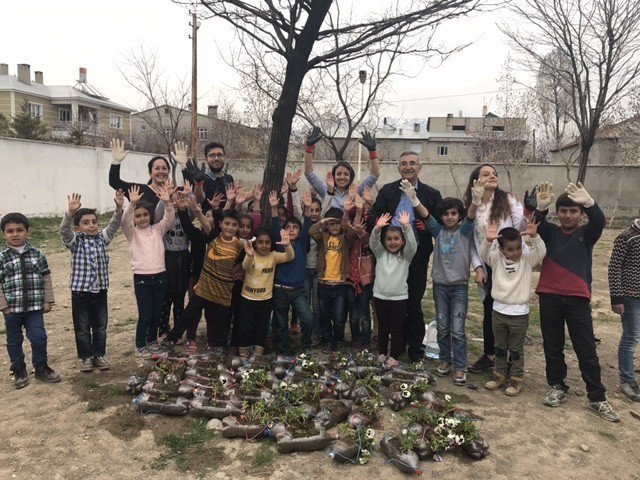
(392, 199)
(215, 178)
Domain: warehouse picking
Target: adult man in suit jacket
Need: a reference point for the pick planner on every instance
(391, 199)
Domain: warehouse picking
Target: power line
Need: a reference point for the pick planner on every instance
(450, 96)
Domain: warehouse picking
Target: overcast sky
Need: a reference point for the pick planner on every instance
(59, 37)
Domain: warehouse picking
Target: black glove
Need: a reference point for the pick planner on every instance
(314, 136)
(530, 202)
(196, 173)
(368, 141)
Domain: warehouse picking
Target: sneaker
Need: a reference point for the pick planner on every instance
(604, 410)
(514, 386)
(191, 347)
(294, 329)
(483, 364)
(86, 364)
(20, 377)
(631, 390)
(495, 382)
(443, 369)
(101, 363)
(143, 353)
(153, 347)
(555, 397)
(45, 373)
(165, 346)
(460, 378)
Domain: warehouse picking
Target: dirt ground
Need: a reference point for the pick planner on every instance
(87, 427)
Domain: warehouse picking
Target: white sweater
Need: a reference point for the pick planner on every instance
(392, 270)
(511, 281)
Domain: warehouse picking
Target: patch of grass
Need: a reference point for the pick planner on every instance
(264, 457)
(191, 451)
(607, 435)
(128, 321)
(95, 406)
(112, 390)
(91, 385)
(475, 349)
(3, 331)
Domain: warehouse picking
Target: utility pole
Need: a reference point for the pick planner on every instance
(195, 24)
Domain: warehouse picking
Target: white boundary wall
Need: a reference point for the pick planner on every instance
(38, 176)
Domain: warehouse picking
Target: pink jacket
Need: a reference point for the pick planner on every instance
(146, 245)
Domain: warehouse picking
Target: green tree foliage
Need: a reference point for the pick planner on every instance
(26, 126)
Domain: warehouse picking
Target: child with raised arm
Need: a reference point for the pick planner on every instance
(450, 273)
(510, 290)
(564, 292)
(259, 265)
(89, 277)
(390, 291)
(147, 262)
(26, 292)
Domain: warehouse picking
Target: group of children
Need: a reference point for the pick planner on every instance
(324, 258)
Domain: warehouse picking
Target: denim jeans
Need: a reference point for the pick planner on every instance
(33, 323)
(333, 315)
(451, 303)
(311, 289)
(359, 307)
(629, 339)
(149, 291)
(89, 312)
(296, 299)
(555, 310)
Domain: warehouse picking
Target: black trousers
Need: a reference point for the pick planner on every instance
(414, 323)
(555, 311)
(217, 332)
(487, 318)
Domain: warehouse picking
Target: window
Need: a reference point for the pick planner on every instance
(202, 133)
(64, 115)
(442, 150)
(115, 121)
(416, 147)
(35, 109)
(498, 128)
(458, 128)
(167, 132)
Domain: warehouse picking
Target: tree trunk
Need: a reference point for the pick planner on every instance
(585, 148)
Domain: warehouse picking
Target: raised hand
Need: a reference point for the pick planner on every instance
(544, 197)
(368, 141)
(492, 231)
(358, 226)
(215, 201)
(530, 202)
(404, 218)
(117, 150)
(119, 199)
(293, 178)
(348, 203)
(579, 194)
(285, 239)
(477, 191)
(180, 154)
(306, 200)
(195, 172)
(383, 221)
(248, 249)
(367, 195)
(162, 192)
(194, 206)
(331, 184)
(187, 189)
(410, 191)
(284, 189)
(314, 136)
(359, 202)
(532, 229)
(134, 194)
(241, 196)
(273, 199)
(74, 203)
(257, 192)
(230, 192)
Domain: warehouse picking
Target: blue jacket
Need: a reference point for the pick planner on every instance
(292, 274)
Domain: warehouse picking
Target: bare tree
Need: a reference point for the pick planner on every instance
(598, 42)
(298, 31)
(166, 105)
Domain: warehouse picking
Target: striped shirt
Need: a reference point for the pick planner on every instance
(217, 276)
(624, 267)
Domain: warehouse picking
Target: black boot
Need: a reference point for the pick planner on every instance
(20, 377)
(46, 374)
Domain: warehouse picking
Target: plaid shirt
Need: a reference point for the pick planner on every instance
(21, 278)
(89, 263)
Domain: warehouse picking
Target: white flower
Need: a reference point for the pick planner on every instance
(404, 431)
(406, 393)
(302, 355)
(270, 425)
(315, 375)
(370, 434)
(304, 363)
(447, 398)
(362, 461)
(294, 385)
(312, 363)
(364, 452)
(251, 370)
(404, 386)
(283, 385)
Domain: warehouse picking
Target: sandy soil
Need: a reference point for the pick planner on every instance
(86, 426)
